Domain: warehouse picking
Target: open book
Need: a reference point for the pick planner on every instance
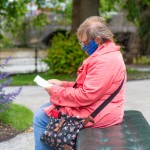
(42, 82)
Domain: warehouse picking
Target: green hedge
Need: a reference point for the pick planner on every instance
(65, 54)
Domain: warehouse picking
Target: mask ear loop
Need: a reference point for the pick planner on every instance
(81, 44)
(85, 47)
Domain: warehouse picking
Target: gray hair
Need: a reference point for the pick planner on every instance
(95, 26)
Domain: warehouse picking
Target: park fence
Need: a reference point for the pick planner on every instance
(29, 60)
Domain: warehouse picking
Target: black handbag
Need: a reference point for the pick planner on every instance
(61, 132)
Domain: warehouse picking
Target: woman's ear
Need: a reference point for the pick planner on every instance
(98, 40)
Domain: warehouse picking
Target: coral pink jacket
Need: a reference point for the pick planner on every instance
(98, 77)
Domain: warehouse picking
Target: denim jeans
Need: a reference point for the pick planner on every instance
(39, 124)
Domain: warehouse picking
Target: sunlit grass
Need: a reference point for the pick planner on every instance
(27, 79)
(133, 74)
(142, 60)
(17, 116)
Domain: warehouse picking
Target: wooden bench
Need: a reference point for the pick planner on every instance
(132, 134)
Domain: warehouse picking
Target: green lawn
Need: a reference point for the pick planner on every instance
(27, 79)
(17, 116)
(136, 75)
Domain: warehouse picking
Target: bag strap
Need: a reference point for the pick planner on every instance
(103, 105)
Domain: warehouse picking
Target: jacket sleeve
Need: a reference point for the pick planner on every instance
(68, 84)
(98, 80)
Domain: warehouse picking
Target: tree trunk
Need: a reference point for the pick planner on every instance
(83, 9)
(145, 30)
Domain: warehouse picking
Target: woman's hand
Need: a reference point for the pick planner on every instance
(48, 89)
(56, 82)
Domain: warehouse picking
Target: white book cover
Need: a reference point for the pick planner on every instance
(42, 82)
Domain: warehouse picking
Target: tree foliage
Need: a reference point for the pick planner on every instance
(65, 54)
(11, 16)
(138, 12)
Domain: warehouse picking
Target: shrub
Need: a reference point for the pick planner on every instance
(65, 54)
(142, 60)
(5, 97)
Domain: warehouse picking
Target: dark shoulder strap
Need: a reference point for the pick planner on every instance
(107, 101)
(103, 105)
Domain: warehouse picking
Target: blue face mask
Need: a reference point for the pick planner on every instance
(90, 48)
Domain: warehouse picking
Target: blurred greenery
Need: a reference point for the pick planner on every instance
(65, 56)
(17, 116)
(133, 74)
(27, 79)
(11, 17)
(142, 60)
(15, 23)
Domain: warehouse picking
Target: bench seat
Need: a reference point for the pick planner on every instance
(132, 134)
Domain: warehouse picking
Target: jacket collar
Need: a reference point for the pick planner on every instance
(106, 48)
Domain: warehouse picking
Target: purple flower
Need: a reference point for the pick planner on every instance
(5, 62)
(6, 98)
(4, 75)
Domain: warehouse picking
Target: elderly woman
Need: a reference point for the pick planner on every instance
(98, 77)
